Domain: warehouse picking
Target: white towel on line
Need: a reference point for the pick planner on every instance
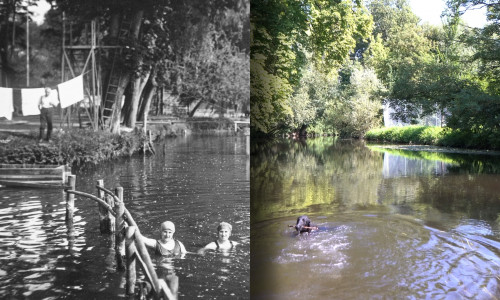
(71, 91)
(6, 103)
(30, 99)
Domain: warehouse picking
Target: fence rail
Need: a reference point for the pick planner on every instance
(130, 249)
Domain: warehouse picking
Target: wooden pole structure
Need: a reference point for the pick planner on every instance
(128, 241)
(111, 218)
(70, 199)
(130, 252)
(119, 230)
(149, 270)
(106, 219)
(27, 49)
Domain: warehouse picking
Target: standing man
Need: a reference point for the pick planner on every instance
(45, 105)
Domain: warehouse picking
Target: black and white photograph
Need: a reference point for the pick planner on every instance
(124, 149)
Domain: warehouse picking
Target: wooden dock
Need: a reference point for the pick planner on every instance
(34, 176)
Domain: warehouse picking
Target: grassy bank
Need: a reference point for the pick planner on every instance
(438, 136)
(73, 147)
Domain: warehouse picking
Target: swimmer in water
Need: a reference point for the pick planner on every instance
(222, 242)
(167, 245)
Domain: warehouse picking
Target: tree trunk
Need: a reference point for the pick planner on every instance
(138, 85)
(146, 102)
(117, 108)
(125, 77)
(191, 113)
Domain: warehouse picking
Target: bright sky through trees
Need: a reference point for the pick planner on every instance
(39, 11)
(430, 11)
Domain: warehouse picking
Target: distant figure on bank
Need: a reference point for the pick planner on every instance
(167, 245)
(222, 242)
(45, 105)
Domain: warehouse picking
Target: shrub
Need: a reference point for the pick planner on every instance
(432, 135)
(74, 147)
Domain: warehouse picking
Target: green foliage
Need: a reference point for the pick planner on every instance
(310, 99)
(283, 33)
(439, 136)
(74, 147)
(358, 106)
(427, 155)
(267, 95)
(485, 41)
(427, 135)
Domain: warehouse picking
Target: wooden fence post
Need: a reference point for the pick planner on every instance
(106, 219)
(111, 218)
(103, 212)
(70, 200)
(130, 251)
(119, 232)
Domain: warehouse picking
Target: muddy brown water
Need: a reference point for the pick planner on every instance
(393, 224)
(194, 181)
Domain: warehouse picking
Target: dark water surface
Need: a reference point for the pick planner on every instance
(393, 224)
(196, 182)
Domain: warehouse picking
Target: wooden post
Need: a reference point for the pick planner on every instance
(70, 200)
(111, 218)
(106, 219)
(119, 230)
(103, 212)
(149, 270)
(130, 251)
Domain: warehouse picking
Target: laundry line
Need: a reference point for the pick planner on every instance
(67, 93)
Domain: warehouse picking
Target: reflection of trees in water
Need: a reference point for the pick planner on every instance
(324, 175)
(469, 189)
(472, 196)
(291, 177)
(476, 164)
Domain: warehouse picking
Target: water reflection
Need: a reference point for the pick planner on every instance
(398, 166)
(195, 181)
(400, 226)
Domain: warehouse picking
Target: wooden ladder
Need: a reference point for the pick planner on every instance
(107, 111)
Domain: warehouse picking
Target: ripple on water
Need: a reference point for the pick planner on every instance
(388, 256)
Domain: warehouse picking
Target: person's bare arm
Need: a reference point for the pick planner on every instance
(151, 243)
(211, 246)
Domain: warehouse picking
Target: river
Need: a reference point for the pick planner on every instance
(393, 224)
(196, 182)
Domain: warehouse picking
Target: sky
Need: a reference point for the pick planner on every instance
(39, 11)
(430, 11)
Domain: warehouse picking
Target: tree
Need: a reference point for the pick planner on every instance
(484, 40)
(357, 108)
(13, 17)
(282, 31)
(164, 44)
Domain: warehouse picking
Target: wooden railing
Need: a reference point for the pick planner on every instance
(130, 248)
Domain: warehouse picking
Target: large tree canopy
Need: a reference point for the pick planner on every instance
(283, 32)
(301, 77)
(196, 50)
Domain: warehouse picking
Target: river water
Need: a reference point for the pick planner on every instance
(393, 224)
(196, 182)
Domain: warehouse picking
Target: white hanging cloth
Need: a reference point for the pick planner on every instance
(71, 91)
(6, 103)
(30, 99)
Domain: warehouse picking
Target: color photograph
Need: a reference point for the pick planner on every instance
(375, 163)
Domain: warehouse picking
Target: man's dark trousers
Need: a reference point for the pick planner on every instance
(46, 117)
